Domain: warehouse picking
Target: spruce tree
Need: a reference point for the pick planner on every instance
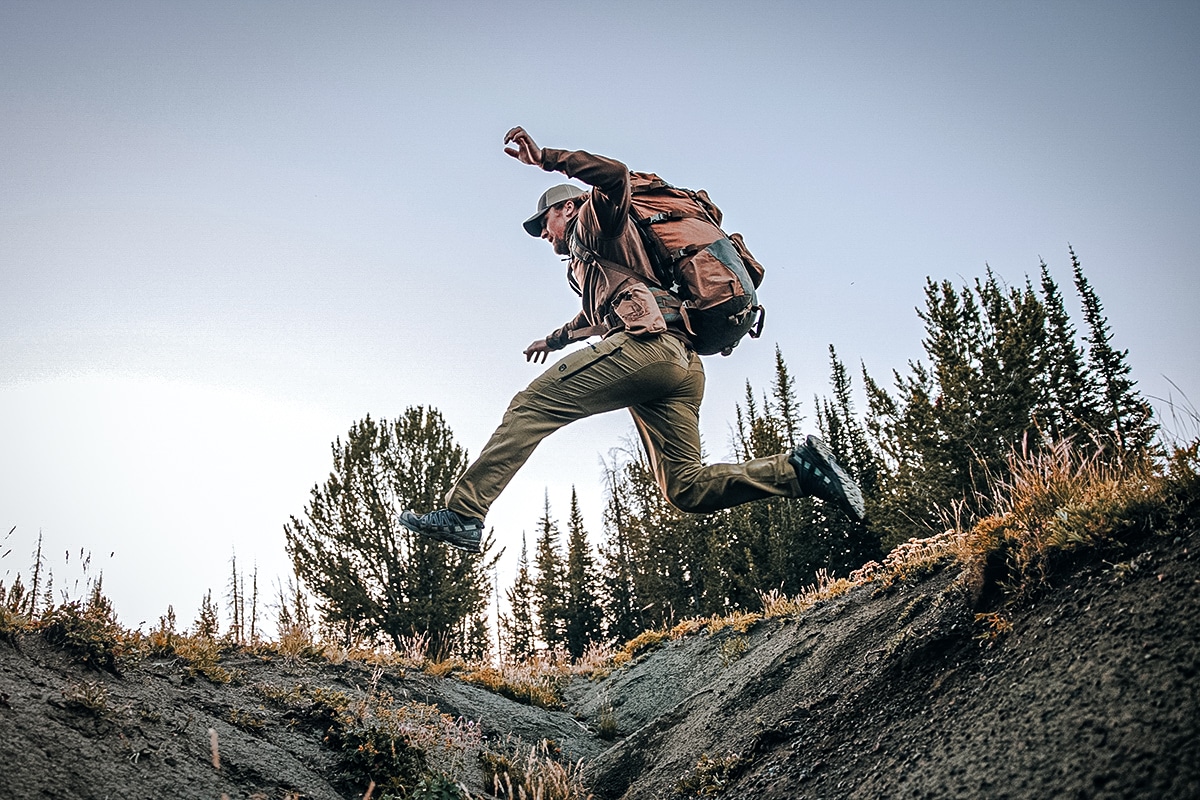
(1128, 417)
(519, 625)
(583, 613)
(1070, 402)
(851, 544)
(550, 584)
(1011, 361)
(618, 590)
(786, 406)
(208, 623)
(847, 437)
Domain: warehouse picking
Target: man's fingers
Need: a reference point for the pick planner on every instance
(537, 351)
(512, 134)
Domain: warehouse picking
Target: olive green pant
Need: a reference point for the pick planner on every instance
(661, 381)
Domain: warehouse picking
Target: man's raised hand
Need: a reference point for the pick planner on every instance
(526, 150)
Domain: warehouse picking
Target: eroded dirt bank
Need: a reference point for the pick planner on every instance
(1092, 693)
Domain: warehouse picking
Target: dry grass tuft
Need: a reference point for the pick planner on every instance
(993, 627)
(535, 682)
(688, 627)
(776, 604)
(1057, 502)
(739, 621)
(537, 775)
(644, 641)
(538, 680)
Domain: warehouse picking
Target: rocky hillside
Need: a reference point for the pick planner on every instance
(1089, 689)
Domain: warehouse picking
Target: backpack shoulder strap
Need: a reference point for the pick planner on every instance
(584, 253)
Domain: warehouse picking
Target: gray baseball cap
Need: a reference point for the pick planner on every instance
(551, 197)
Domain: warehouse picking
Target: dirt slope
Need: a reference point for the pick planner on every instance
(1093, 693)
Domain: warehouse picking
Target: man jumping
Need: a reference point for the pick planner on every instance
(642, 362)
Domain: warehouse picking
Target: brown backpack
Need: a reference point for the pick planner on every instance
(711, 273)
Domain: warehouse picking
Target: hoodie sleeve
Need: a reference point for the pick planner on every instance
(608, 178)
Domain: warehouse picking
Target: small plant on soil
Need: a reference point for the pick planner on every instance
(732, 649)
(435, 787)
(993, 627)
(203, 655)
(249, 721)
(710, 776)
(89, 696)
(88, 631)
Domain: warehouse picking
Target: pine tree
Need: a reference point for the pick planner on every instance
(850, 544)
(1070, 403)
(477, 642)
(787, 409)
(1128, 417)
(846, 435)
(208, 622)
(372, 577)
(519, 624)
(254, 606)
(550, 584)
(667, 549)
(39, 564)
(618, 591)
(954, 334)
(1011, 359)
(583, 613)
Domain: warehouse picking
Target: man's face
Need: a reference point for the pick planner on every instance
(554, 226)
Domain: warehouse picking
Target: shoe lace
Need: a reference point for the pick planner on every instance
(443, 518)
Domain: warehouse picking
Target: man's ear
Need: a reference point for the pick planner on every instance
(570, 208)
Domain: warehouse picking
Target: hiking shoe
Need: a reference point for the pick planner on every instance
(465, 533)
(821, 476)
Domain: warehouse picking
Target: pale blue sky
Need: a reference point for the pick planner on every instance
(228, 230)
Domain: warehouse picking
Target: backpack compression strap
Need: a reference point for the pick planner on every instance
(668, 301)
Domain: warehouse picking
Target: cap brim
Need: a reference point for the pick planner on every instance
(533, 225)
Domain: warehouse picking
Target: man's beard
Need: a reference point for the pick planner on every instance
(563, 246)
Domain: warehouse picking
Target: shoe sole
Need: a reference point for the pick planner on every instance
(853, 505)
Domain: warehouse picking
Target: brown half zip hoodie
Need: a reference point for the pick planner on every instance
(603, 227)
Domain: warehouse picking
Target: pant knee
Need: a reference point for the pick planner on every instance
(683, 492)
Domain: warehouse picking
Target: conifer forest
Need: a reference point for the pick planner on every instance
(1005, 372)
